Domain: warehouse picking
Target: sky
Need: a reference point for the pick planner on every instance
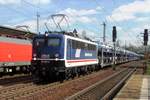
(130, 17)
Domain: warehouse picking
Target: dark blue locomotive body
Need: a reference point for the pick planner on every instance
(62, 55)
(48, 47)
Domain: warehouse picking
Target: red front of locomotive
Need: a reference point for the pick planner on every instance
(12, 52)
(15, 52)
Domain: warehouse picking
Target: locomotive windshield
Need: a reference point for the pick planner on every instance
(53, 42)
(47, 47)
(39, 42)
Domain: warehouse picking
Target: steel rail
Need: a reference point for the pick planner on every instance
(99, 90)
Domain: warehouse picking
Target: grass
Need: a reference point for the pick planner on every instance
(148, 69)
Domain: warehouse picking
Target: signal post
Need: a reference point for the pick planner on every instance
(114, 36)
(145, 44)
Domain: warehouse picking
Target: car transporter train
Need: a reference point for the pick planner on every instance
(64, 55)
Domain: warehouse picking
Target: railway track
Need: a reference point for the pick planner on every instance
(56, 91)
(11, 80)
(24, 90)
(104, 89)
(32, 91)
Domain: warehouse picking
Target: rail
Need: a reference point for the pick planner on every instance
(104, 89)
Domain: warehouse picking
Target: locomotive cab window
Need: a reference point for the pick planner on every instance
(39, 42)
(53, 42)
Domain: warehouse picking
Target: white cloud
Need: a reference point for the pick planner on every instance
(142, 19)
(119, 28)
(128, 36)
(129, 11)
(39, 1)
(81, 15)
(120, 17)
(10, 2)
(74, 15)
(35, 2)
(133, 35)
(32, 24)
(99, 8)
(136, 12)
(82, 12)
(87, 33)
(85, 19)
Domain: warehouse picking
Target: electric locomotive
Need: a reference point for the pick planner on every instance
(15, 51)
(64, 55)
(60, 55)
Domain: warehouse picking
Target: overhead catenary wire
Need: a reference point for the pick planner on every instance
(113, 20)
(73, 15)
(26, 15)
(104, 11)
(34, 6)
(130, 35)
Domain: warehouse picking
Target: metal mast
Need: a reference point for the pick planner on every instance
(104, 32)
(38, 17)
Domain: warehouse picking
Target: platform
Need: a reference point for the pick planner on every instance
(137, 88)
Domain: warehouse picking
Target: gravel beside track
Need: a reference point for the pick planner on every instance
(101, 88)
(56, 90)
(138, 64)
(51, 91)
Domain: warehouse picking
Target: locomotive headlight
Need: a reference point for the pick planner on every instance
(34, 56)
(46, 34)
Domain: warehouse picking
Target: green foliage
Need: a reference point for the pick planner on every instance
(148, 69)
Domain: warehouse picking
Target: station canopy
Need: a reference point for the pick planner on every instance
(16, 33)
